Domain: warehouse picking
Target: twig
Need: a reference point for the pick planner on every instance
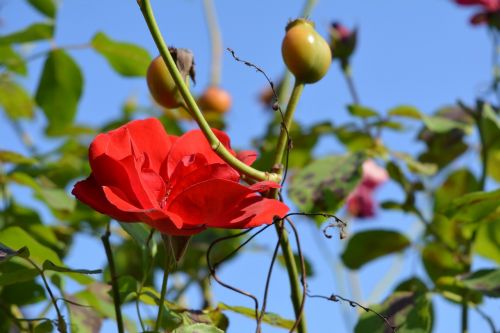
(215, 42)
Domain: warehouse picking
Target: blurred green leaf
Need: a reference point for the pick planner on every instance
(355, 141)
(361, 111)
(83, 318)
(16, 238)
(59, 90)
(405, 111)
(45, 326)
(324, 184)
(57, 199)
(268, 318)
(427, 169)
(442, 148)
(486, 281)
(453, 289)
(439, 261)
(473, 207)
(366, 246)
(458, 183)
(12, 60)
(198, 328)
(125, 58)
(36, 31)
(487, 242)
(408, 312)
(12, 273)
(50, 266)
(493, 163)
(138, 231)
(439, 124)
(23, 293)
(15, 100)
(46, 7)
(7, 156)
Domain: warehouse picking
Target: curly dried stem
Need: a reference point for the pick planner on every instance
(195, 111)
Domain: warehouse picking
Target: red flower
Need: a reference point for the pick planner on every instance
(177, 185)
(490, 13)
(342, 42)
(360, 202)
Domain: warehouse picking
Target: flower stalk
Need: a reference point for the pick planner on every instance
(193, 108)
(291, 267)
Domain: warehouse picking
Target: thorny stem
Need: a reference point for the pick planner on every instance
(282, 145)
(215, 143)
(215, 42)
(114, 279)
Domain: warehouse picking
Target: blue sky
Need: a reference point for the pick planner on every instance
(422, 53)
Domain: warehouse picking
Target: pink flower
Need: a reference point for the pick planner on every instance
(360, 202)
(488, 15)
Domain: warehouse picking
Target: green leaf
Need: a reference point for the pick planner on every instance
(23, 293)
(405, 111)
(426, 169)
(138, 231)
(408, 312)
(324, 184)
(487, 242)
(493, 162)
(50, 266)
(473, 207)
(12, 60)
(7, 156)
(59, 90)
(361, 111)
(57, 199)
(486, 281)
(268, 318)
(46, 7)
(125, 58)
(442, 125)
(366, 246)
(198, 328)
(83, 318)
(15, 100)
(13, 273)
(6, 253)
(458, 183)
(36, 31)
(44, 327)
(439, 261)
(355, 141)
(15, 237)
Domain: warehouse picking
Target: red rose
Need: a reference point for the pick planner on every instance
(177, 185)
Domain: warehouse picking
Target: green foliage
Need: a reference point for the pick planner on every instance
(125, 58)
(405, 111)
(15, 100)
(269, 318)
(59, 91)
(361, 111)
(486, 281)
(366, 246)
(11, 60)
(407, 311)
(46, 7)
(35, 32)
(323, 185)
(198, 328)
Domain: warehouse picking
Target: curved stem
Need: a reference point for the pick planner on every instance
(215, 143)
(169, 262)
(114, 279)
(215, 42)
(282, 145)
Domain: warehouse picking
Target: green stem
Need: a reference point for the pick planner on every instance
(484, 151)
(114, 279)
(215, 42)
(169, 264)
(346, 70)
(215, 143)
(308, 7)
(282, 145)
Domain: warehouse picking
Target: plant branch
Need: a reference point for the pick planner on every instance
(195, 111)
(215, 42)
(114, 279)
(282, 145)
